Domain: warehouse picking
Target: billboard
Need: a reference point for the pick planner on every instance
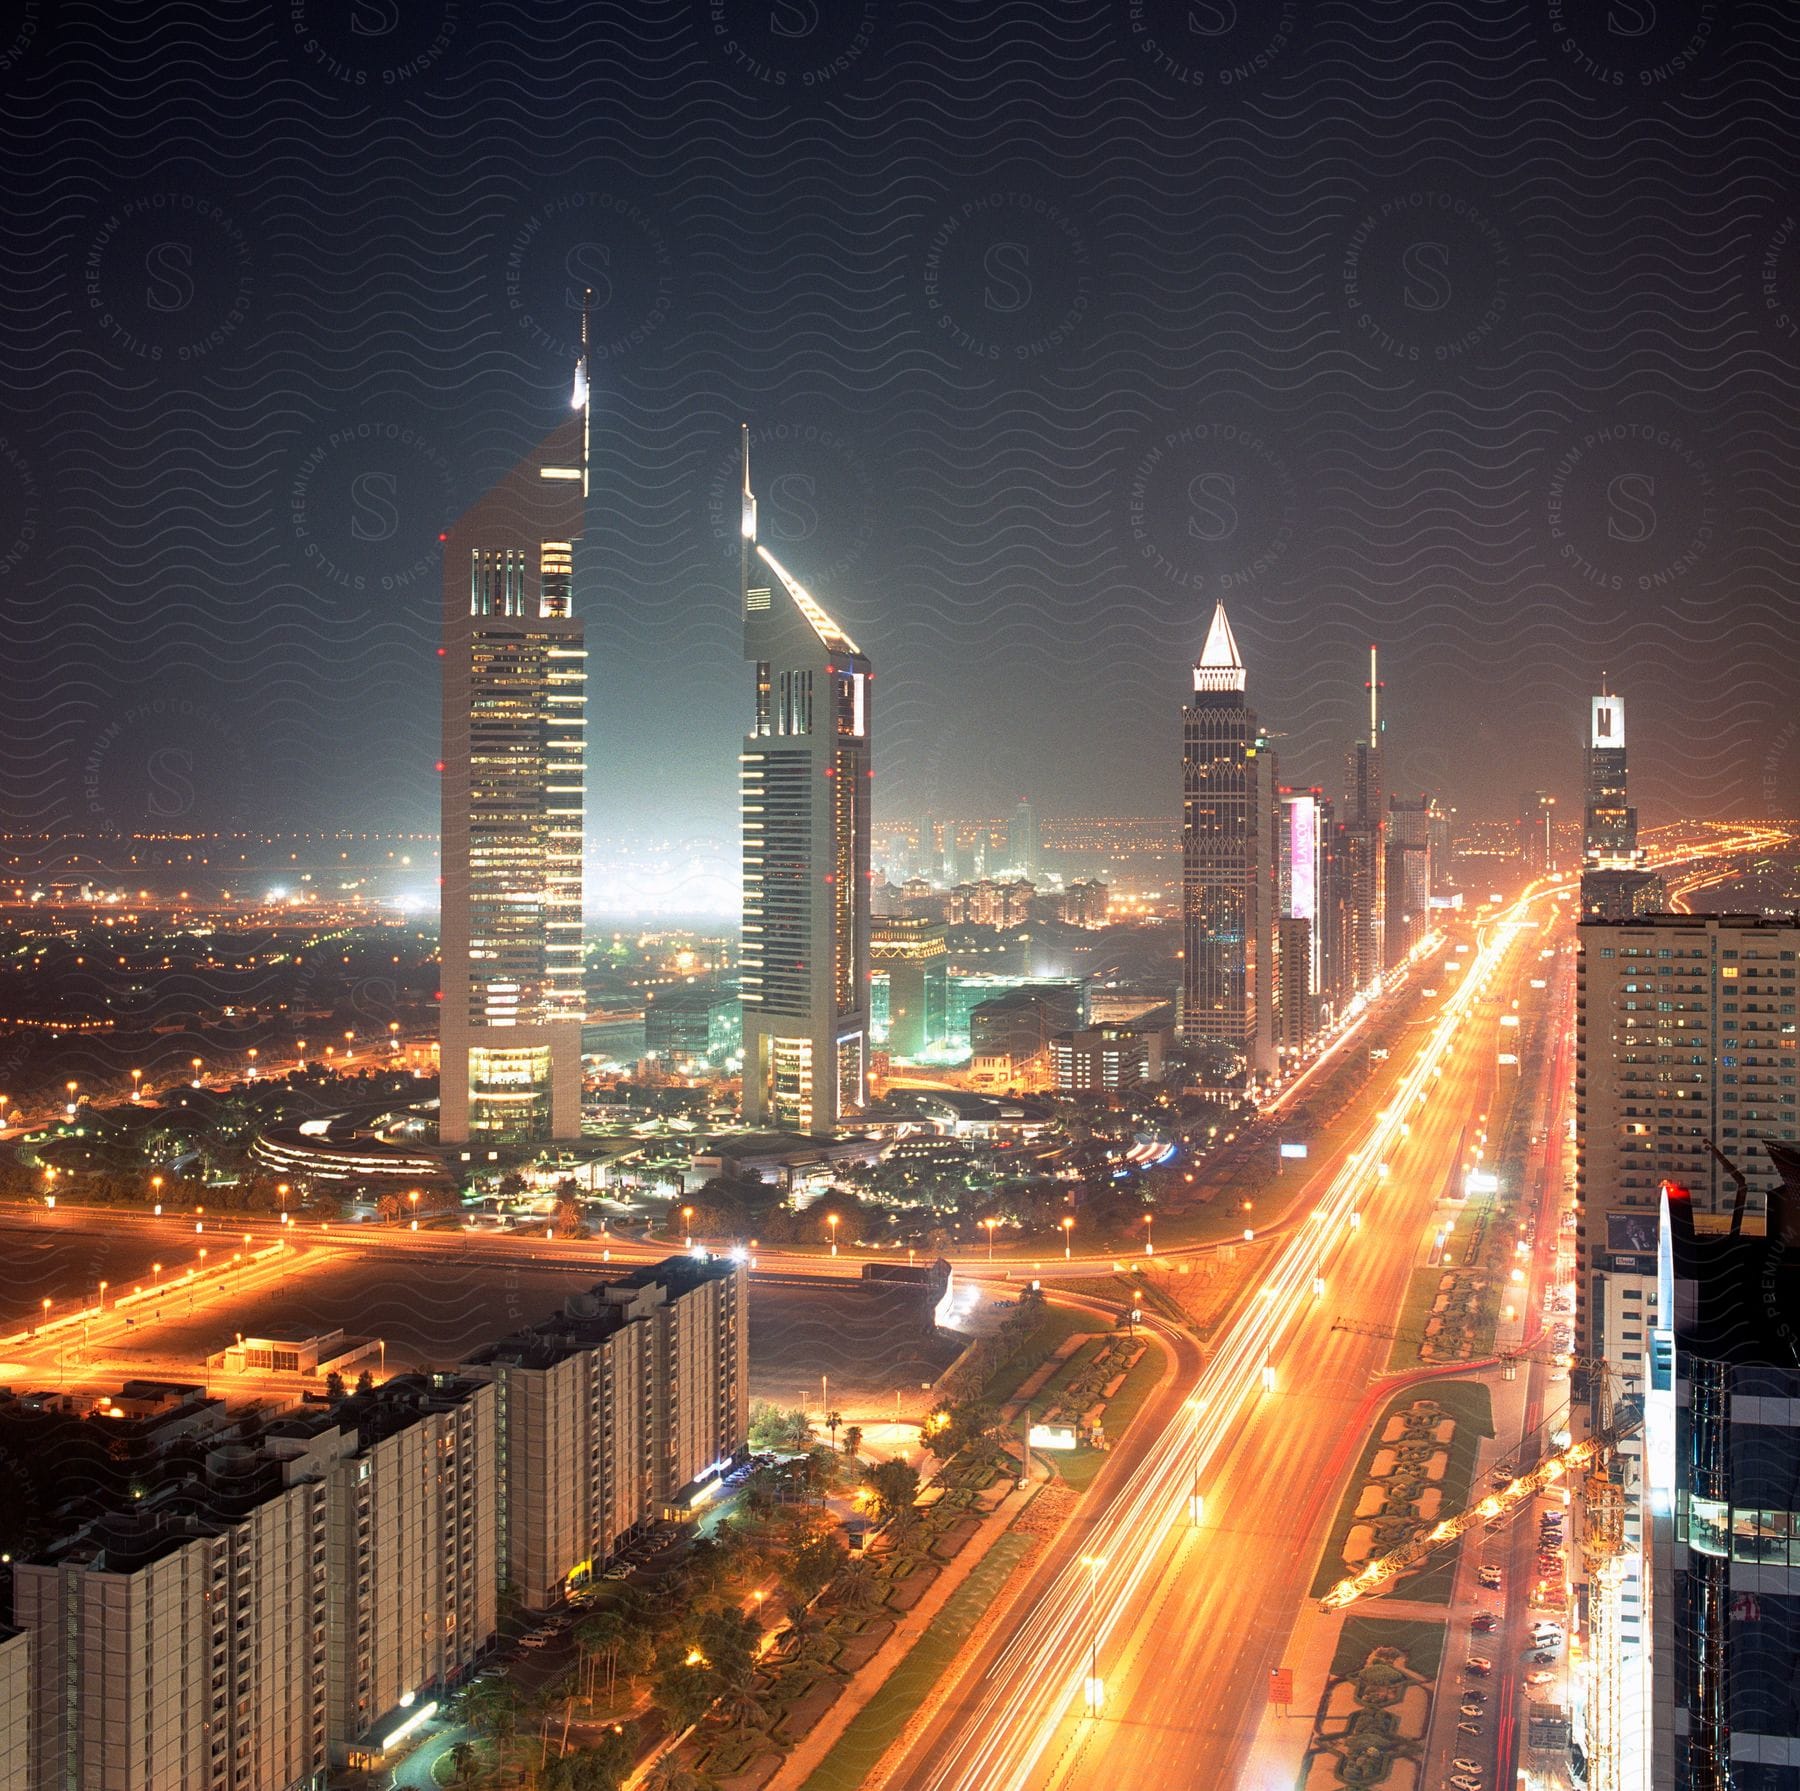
(1303, 857)
(1293, 1150)
(1052, 1436)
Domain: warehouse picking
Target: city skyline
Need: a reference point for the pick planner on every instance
(1014, 418)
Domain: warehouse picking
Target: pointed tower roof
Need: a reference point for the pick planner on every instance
(829, 633)
(1219, 667)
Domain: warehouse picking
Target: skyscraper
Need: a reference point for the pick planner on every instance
(805, 782)
(1227, 886)
(1537, 832)
(1022, 839)
(1408, 874)
(1364, 842)
(514, 788)
(1615, 885)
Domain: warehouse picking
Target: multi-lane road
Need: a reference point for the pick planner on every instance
(1180, 1623)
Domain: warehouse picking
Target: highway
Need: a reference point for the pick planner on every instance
(1185, 1621)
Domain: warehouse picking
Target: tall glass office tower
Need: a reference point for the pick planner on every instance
(805, 787)
(514, 789)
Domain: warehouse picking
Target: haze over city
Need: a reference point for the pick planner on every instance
(900, 897)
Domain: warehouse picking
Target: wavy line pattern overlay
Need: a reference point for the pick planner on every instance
(1473, 329)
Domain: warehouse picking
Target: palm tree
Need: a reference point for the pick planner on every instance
(741, 1703)
(855, 1585)
(669, 1774)
(852, 1439)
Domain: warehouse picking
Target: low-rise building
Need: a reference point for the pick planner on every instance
(1106, 1059)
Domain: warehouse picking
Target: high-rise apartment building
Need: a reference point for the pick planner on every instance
(15, 1710)
(1721, 1446)
(1685, 1032)
(412, 1477)
(1365, 841)
(999, 903)
(514, 793)
(1615, 882)
(183, 1645)
(611, 1412)
(1227, 858)
(805, 775)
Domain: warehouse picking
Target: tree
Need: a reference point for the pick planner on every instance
(334, 1386)
(852, 1439)
(833, 1419)
(812, 1566)
(365, 1382)
(855, 1584)
(895, 1485)
(462, 1762)
(669, 1774)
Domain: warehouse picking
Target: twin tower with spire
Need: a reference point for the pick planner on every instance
(804, 774)
(1282, 903)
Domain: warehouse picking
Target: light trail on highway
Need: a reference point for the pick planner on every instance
(1043, 1671)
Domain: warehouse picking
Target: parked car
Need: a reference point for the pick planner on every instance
(1463, 1782)
(1465, 1766)
(1489, 1577)
(1539, 1678)
(1479, 1667)
(1481, 1625)
(1471, 1696)
(1472, 1709)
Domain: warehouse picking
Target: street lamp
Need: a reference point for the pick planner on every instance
(252, 1063)
(1096, 1692)
(990, 1224)
(687, 1220)
(46, 1318)
(1149, 1234)
(156, 1274)
(137, 1077)
(1068, 1226)
(73, 1103)
(103, 1287)
(833, 1220)
(197, 1066)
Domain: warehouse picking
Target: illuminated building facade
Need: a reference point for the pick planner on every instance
(1227, 885)
(911, 959)
(1615, 882)
(1364, 842)
(1408, 874)
(1684, 1031)
(614, 1411)
(1537, 832)
(514, 790)
(804, 775)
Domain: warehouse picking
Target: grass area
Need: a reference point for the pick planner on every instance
(1423, 1643)
(1079, 1466)
(1055, 1326)
(1421, 1293)
(1469, 1403)
(878, 1724)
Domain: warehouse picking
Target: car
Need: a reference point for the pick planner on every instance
(1481, 1625)
(1471, 1696)
(1465, 1765)
(1543, 1659)
(1490, 1578)
(1539, 1678)
(618, 1571)
(1475, 1664)
(1463, 1782)
(1474, 1710)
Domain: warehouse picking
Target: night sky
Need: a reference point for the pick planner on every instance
(1472, 329)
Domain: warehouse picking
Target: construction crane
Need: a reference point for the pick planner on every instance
(1590, 1453)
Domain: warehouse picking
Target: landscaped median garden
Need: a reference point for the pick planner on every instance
(1417, 1467)
(1369, 1730)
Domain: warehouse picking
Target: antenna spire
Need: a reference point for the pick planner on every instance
(748, 526)
(1374, 700)
(580, 400)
